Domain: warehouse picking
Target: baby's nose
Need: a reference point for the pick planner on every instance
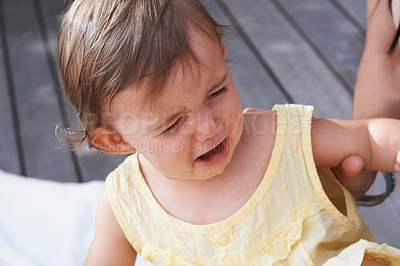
(207, 127)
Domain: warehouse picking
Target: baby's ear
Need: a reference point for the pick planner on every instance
(223, 49)
(111, 142)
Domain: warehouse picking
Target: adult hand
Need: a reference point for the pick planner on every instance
(352, 176)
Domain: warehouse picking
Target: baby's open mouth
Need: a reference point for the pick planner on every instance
(211, 154)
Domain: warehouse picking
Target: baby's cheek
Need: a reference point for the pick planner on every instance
(236, 119)
(186, 149)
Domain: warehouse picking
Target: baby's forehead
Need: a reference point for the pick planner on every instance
(189, 78)
(144, 103)
(181, 83)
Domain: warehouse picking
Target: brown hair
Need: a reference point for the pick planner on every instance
(106, 45)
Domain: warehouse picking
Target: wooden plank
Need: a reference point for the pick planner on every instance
(330, 33)
(36, 100)
(9, 157)
(52, 11)
(301, 71)
(355, 10)
(258, 89)
(383, 229)
(49, 14)
(94, 164)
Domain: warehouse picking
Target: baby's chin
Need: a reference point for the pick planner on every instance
(209, 173)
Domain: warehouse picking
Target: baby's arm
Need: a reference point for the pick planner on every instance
(376, 141)
(110, 246)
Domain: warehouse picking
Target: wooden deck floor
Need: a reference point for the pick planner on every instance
(279, 51)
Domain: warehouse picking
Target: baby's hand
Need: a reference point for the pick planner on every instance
(397, 163)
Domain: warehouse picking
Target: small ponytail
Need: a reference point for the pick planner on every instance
(71, 139)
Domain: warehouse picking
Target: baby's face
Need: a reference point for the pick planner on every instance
(192, 130)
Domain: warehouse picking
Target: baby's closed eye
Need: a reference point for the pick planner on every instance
(174, 125)
(218, 93)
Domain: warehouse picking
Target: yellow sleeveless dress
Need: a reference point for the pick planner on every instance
(289, 220)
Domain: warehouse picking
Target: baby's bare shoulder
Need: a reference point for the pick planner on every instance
(259, 133)
(259, 122)
(256, 145)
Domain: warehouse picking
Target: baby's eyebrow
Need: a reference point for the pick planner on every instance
(175, 115)
(218, 84)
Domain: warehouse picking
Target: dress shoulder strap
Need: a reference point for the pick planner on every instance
(124, 198)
